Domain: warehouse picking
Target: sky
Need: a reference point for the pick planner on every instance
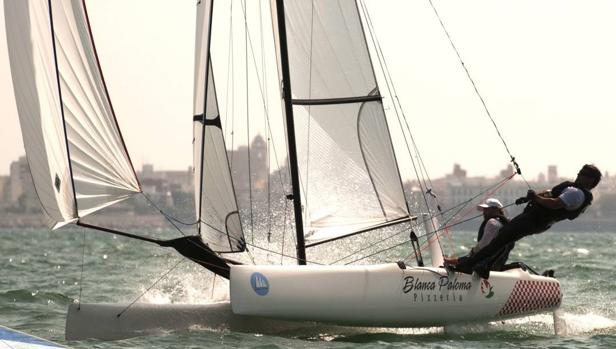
(545, 69)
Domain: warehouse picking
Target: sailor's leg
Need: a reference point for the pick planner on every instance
(500, 259)
(519, 227)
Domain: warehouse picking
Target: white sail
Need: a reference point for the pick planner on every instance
(348, 170)
(76, 153)
(217, 211)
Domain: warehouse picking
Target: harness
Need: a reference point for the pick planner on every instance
(545, 216)
(482, 227)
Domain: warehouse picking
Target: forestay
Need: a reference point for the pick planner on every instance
(348, 171)
(76, 153)
(217, 210)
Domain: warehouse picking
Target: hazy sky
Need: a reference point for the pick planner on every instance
(545, 68)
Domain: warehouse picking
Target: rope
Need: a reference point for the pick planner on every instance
(149, 288)
(303, 185)
(213, 286)
(230, 70)
(252, 227)
(269, 127)
(472, 81)
(485, 193)
(267, 134)
(232, 84)
(444, 227)
(83, 254)
(169, 218)
(392, 91)
(284, 229)
(377, 252)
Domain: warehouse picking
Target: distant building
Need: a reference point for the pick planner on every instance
(507, 171)
(4, 180)
(541, 177)
(20, 192)
(161, 182)
(168, 188)
(258, 169)
(552, 174)
(458, 172)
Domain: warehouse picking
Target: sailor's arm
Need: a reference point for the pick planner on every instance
(571, 199)
(548, 202)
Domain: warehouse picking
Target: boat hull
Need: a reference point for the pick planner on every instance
(387, 296)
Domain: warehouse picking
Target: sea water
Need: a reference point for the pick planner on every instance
(42, 272)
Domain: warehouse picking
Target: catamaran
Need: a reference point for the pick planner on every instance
(340, 155)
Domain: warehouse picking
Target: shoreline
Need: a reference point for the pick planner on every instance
(131, 220)
(126, 220)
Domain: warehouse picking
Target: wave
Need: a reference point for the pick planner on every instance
(29, 296)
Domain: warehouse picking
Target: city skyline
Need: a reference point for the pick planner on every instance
(174, 191)
(548, 87)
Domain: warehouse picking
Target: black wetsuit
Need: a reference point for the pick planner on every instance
(498, 260)
(534, 220)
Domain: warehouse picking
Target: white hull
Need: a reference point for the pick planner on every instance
(387, 296)
(101, 320)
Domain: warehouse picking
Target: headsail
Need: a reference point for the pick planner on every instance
(217, 211)
(350, 179)
(77, 156)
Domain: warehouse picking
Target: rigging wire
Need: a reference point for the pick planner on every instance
(267, 134)
(169, 218)
(443, 226)
(83, 256)
(230, 77)
(377, 252)
(307, 182)
(151, 286)
(269, 127)
(472, 81)
(389, 81)
(252, 227)
(231, 42)
(284, 229)
(392, 92)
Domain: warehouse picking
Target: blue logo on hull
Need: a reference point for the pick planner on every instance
(259, 283)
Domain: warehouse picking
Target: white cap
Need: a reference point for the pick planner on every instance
(491, 202)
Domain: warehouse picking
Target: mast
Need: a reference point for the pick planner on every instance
(207, 71)
(288, 106)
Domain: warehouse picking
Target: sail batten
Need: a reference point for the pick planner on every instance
(342, 100)
(78, 159)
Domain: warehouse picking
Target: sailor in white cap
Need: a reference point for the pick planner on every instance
(493, 220)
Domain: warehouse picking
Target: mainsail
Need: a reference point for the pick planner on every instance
(349, 176)
(217, 210)
(75, 150)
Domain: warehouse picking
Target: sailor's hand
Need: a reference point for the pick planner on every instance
(531, 195)
(521, 200)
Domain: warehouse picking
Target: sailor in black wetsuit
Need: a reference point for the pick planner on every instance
(567, 200)
(493, 220)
